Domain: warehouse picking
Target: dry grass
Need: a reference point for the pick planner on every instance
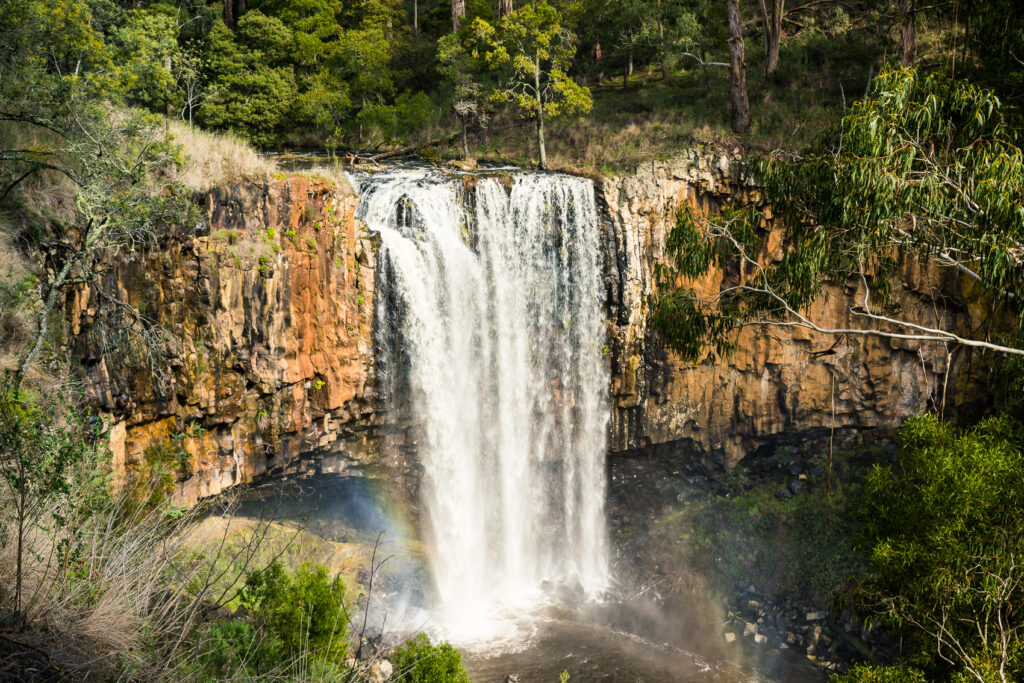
(133, 591)
(217, 157)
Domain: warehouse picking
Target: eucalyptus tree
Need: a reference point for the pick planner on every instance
(82, 185)
(533, 52)
(927, 167)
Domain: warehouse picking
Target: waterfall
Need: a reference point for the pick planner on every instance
(490, 329)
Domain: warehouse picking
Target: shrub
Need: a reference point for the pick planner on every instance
(300, 612)
(420, 662)
(945, 528)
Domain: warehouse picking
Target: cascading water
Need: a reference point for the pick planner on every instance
(491, 330)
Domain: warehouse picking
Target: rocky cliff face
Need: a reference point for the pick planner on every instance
(779, 385)
(268, 302)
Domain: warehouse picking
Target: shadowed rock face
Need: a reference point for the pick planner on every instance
(269, 300)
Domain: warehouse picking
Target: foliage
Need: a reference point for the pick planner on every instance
(226, 647)
(463, 73)
(865, 673)
(111, 171)
(420, 662)
(535, 51)
(300, 612)
(945, 531)
(254, 86)
(42, 441)
(927, 167)
(401, 122)
(150, 485)
(801, 547)
(147, 45)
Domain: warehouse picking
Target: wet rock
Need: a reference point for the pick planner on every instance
(815, 616)
(796, 486)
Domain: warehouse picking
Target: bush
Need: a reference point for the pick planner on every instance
(420, 662)
(300, 612)
(801, 547)
(945, 530)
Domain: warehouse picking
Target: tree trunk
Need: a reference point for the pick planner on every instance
(465, 144)
(661, 44)
(22, 493)
(415, 17)
(168, 109)
(50, 302)
(229, 13)
(908, 35)
(738, 69)
(458, 13)
(540, 113)
(771, 21)
(776, 41)
(241, 8)
(504, 8)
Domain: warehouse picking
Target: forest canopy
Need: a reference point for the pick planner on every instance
(376, 74)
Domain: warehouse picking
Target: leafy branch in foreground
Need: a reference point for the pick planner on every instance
(110, 170)
(928, 168)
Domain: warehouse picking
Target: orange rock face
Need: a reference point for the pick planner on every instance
(780, 384)
(267, 303)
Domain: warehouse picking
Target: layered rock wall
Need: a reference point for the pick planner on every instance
(780, 384)
(267, 305)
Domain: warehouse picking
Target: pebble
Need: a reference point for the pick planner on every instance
(730, 637)
(815, 616)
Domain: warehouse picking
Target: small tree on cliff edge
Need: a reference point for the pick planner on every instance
(537, 50)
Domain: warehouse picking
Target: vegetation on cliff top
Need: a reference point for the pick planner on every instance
(377, 74)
